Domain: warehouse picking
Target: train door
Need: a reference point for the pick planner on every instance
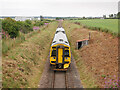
(60, 56)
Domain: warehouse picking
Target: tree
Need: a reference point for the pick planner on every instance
(41, 18)
(38, 23)
(27, 26)
(115, 15)
(83, 17)
(10, 26)
(111, 16)
(118, 15)
(104, 16)
(58, 18)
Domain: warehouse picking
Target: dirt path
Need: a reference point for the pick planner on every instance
(57, 79)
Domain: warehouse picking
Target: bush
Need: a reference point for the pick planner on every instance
(7, 44)
(39, 23)
(10, 26)
(25, 27)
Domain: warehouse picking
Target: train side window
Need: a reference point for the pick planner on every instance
(56, 32)
(66, 53)
(54, 41)
(66, 42)
(53, 53)
(63, 32)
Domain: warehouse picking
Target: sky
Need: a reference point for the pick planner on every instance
(59, 8)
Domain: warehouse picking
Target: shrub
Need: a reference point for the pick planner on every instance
(39, 23)
(25, 27)
(10, 26)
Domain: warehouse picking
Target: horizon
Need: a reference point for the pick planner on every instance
(60, 8)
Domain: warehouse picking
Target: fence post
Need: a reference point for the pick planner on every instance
(89, 36)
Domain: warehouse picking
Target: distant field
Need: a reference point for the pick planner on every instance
(110, 24)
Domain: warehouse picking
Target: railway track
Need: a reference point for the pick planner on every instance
(60, 80)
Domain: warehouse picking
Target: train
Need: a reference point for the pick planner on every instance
(60, 54)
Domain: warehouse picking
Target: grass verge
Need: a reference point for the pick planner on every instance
(24, 64)
(88, 81)
(9, 43)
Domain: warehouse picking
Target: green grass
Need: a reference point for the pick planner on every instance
(9, 43)
(23, 65)
(108, 25)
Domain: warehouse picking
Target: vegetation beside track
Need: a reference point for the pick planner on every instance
(88, 81)
(15, 32)
(8, 43)
(24, 64)
(104, 25)
(97, 65)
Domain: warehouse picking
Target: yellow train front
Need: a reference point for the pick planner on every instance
(60, 55)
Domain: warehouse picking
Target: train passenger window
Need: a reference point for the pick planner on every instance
(66, 47)
(53, 53)
(54, 41)
(53, 47)
(63, 32)
(66, 42)
(56, 32)
(66, 53)
(60, 39)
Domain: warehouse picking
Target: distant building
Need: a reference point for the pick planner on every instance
(35, 18)
(20, 18)
(102, 18)
(23, 18)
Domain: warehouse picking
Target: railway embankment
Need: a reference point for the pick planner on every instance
(23, 65)
(97, 62)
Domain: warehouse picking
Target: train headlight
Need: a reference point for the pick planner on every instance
(66, 58)
(53, 57)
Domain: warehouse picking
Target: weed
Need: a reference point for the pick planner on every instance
(103, 76)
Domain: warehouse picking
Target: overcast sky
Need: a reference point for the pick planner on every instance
(59, 8)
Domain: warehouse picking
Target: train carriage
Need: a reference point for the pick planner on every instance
(60, 55)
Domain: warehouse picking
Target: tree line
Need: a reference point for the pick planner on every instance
(113, 16)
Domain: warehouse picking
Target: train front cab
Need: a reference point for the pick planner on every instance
(60, 57)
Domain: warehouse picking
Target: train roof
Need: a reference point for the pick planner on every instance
(60, 37)
(60, 29)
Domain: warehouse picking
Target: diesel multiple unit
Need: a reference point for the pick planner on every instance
(60, 54)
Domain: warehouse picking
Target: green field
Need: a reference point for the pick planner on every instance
(104, 24)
